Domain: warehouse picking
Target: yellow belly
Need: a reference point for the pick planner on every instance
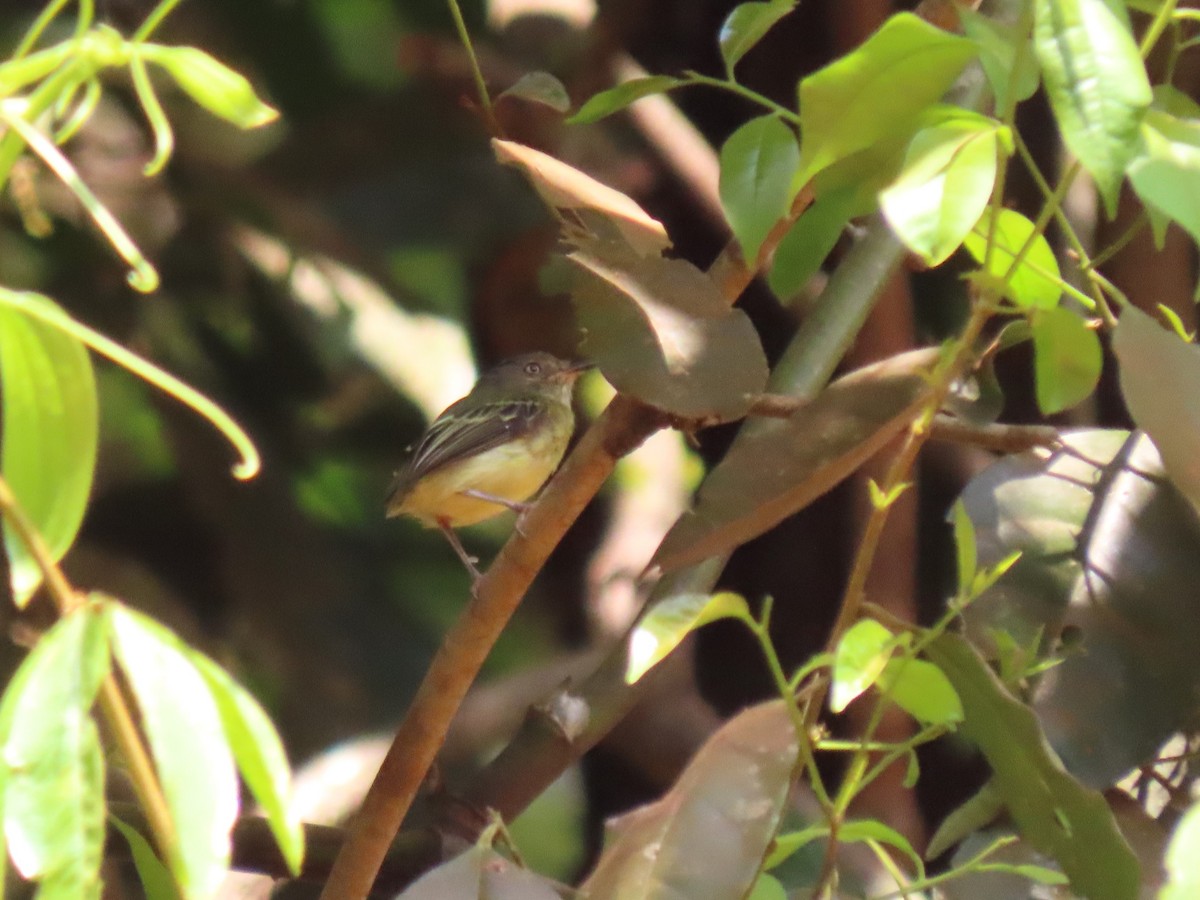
(513, 471)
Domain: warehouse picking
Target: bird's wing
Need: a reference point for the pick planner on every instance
(456, 434)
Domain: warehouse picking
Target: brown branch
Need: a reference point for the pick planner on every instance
(996, 436)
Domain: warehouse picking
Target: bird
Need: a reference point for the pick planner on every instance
(490, 451)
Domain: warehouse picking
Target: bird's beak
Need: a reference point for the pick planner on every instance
(576, 369)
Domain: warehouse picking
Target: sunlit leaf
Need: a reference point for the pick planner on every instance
(859, 660)
(757, 164)
(189, 745)
(1067, 359)
(877, 90)
(706, 837)
(1056, 814)
(617, 98)
(944, 187)
(746, 24)
(563, 187)
(668, 622)
(1096, 82)
(53, 770)
(1160, 377)
(777, 471)
(260, 757)
(212, 84)
(1035, 283)
(49, 429)
(660, 331)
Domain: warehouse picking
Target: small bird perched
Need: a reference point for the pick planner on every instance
(491, 450)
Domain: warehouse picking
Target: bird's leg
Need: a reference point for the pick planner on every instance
(516, 506)
(467, 559)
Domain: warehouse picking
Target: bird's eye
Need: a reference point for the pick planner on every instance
(533, 368)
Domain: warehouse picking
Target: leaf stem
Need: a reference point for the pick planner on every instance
(153, 20)
(733, 87)
(485, 100)
(44, 18)
(249, 462)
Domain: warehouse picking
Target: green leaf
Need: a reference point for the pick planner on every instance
(17, 73)
(1067, 359)
(1035, 283)
(188, 742)
(53, 770)
(1056, 814)
(809, 241)
(1166, 174)
(47, 312)
(1096, 82)
(260, 757)
(944, 187)
(998, 54)
(156, 880)
(212, 84)
(964, 548)
(785, 845)
(757, 165)
(540, 87)
(877, 90)
(1183, 858)
(667, 623)
(871, 830)
(921, 690)
(617, 98)
(746, 25)
(49, 428)
(859, 660)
